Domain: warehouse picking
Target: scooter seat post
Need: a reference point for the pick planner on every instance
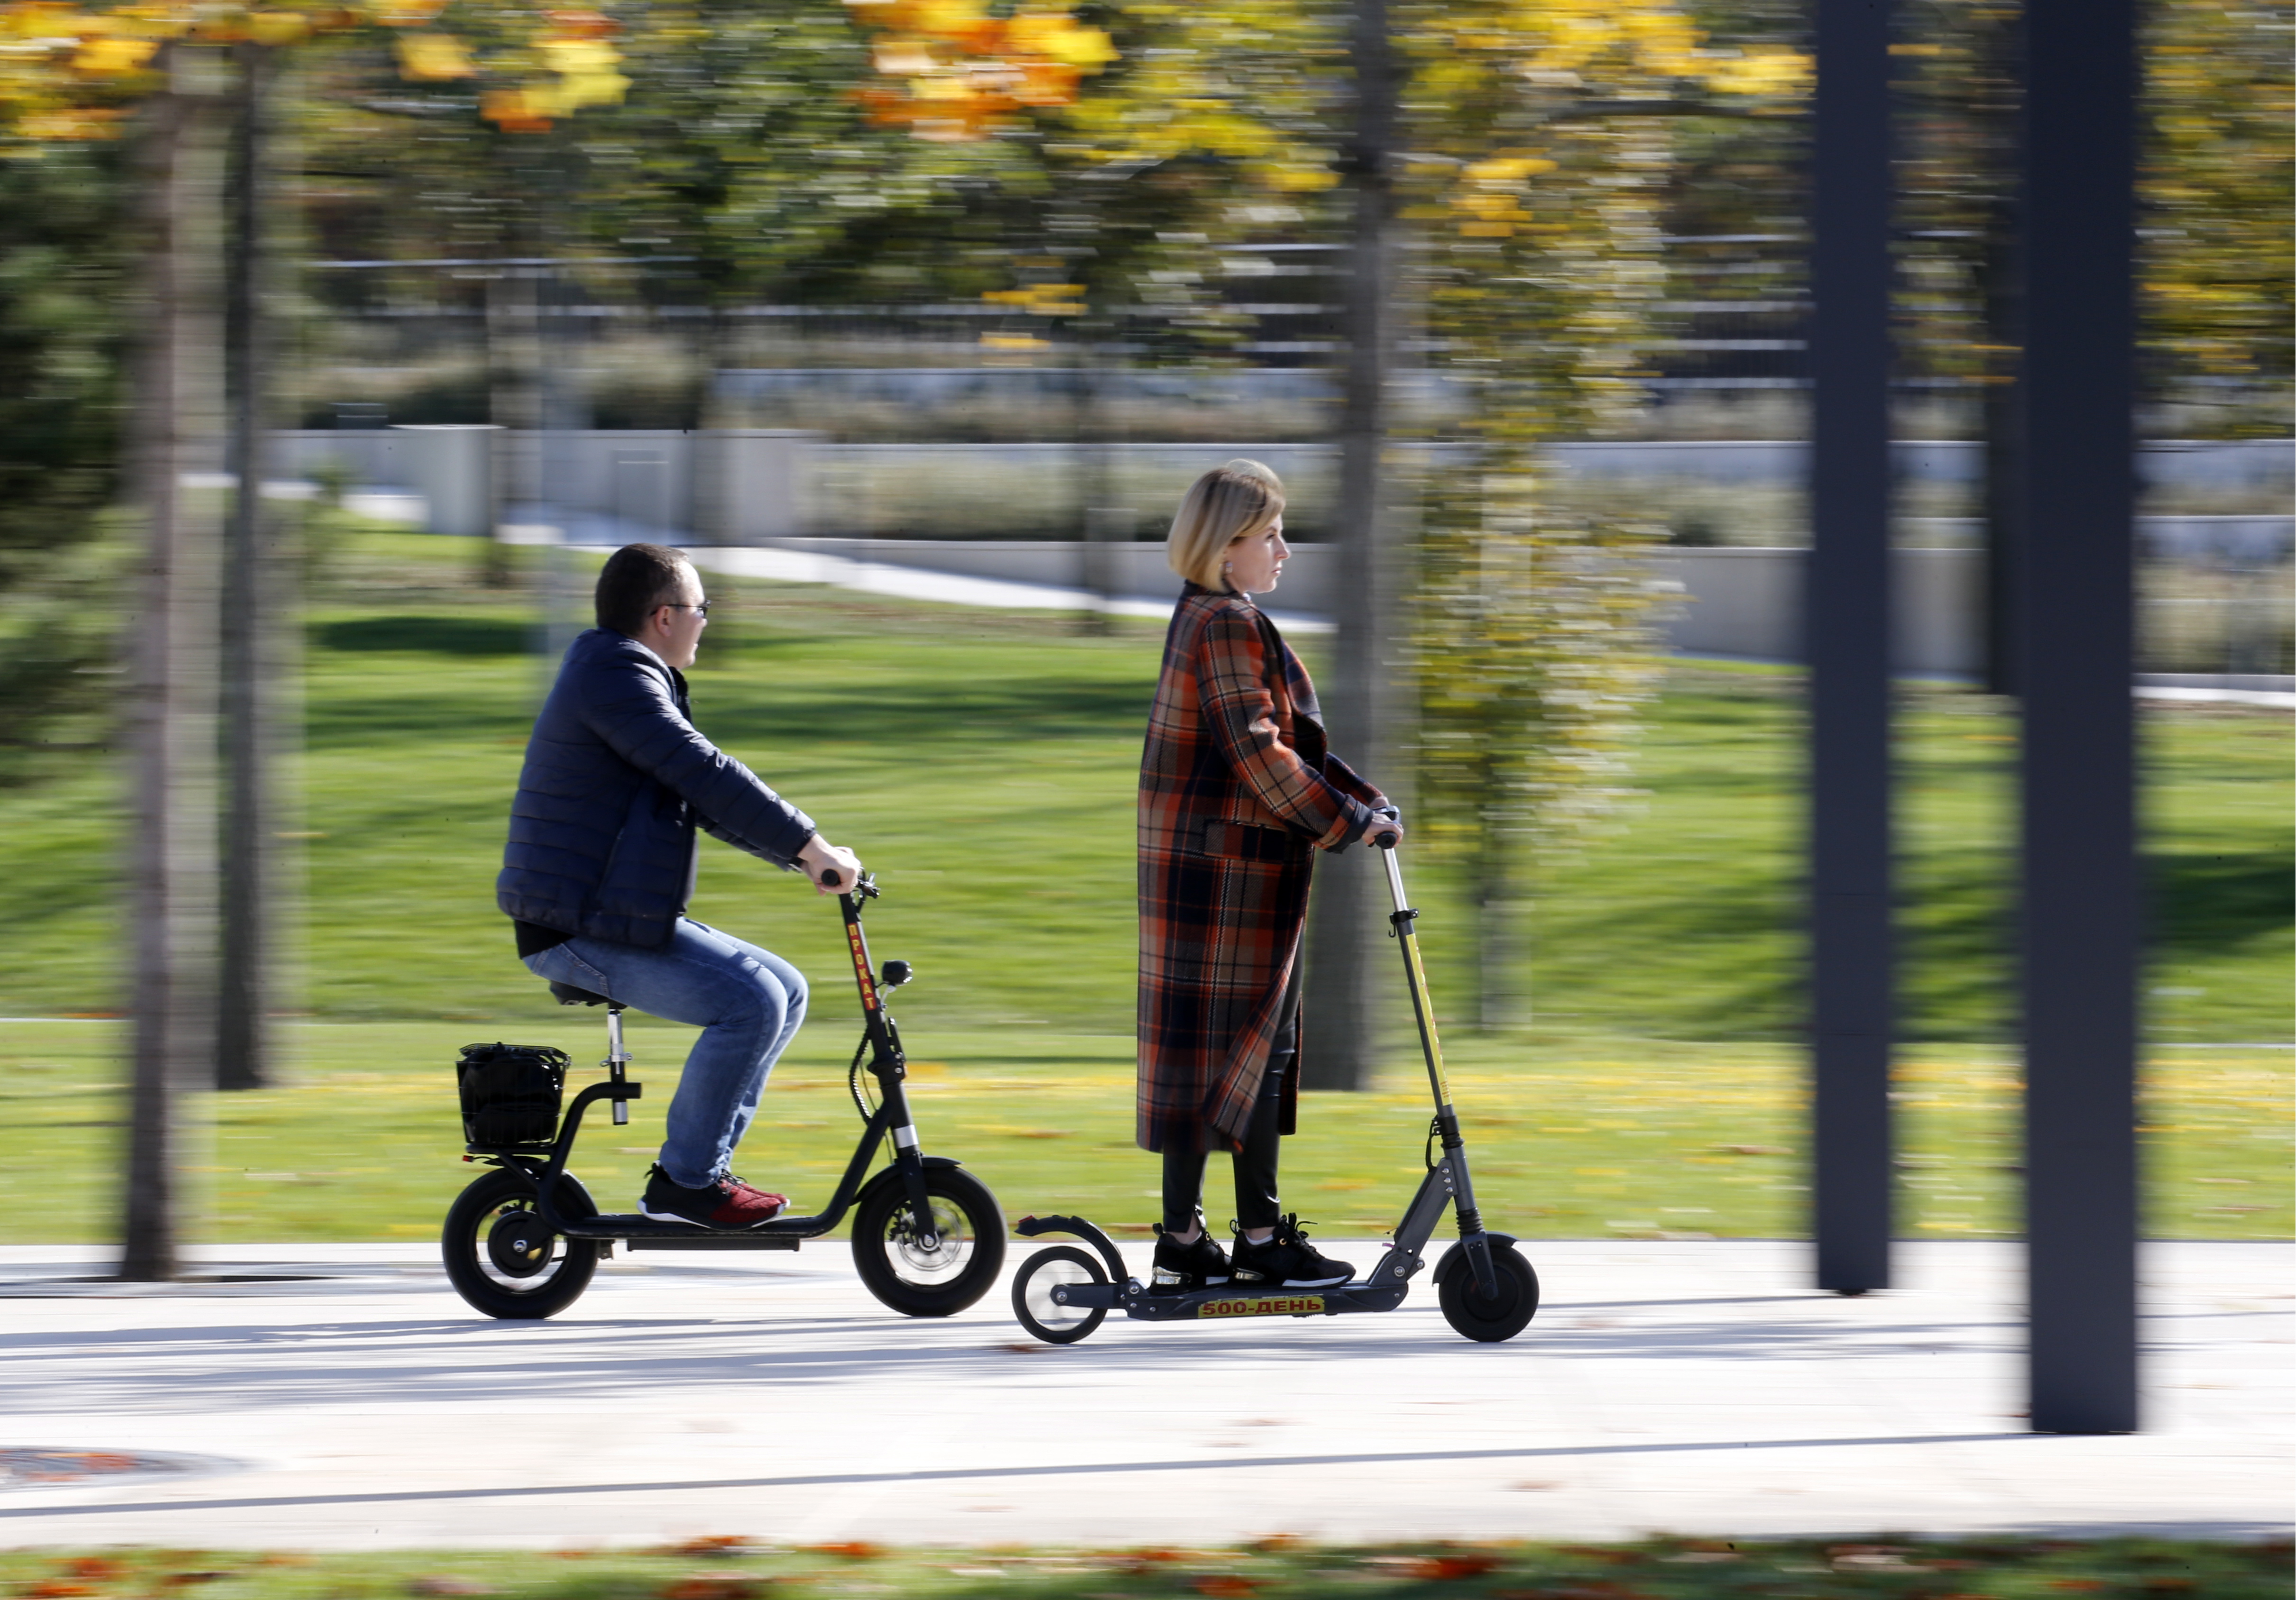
(617, 1058)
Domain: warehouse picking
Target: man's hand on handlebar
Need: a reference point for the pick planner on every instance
(833, 868)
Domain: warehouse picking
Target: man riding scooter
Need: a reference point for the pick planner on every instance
(600, 864)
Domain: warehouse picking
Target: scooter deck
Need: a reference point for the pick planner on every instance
(1226, 1301)
(640, 1231)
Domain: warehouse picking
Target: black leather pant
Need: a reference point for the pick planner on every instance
(1255, 1206)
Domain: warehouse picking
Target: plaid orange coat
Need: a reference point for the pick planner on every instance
(1236, 794)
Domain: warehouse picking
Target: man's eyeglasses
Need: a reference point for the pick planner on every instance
(701, 611)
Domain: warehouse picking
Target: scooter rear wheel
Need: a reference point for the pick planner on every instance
(1496, 1318)
(502, 1257)
(956, 1269)
(1032, 1295)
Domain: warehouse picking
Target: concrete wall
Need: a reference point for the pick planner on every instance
(640, 476)
(1736, 602)
(749, 484)
(744, 485)
(367, 457)
(1748, 603)
(1134, 571)
(2223, 465)
(735, 486)
(452, 467)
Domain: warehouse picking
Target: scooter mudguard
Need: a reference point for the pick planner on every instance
(892, 1175)
(1455, 1260)
(569, 1200)
(1033, 1228)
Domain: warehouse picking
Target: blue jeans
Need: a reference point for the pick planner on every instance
(748, 1002)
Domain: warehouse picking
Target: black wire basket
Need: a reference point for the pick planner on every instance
(510, 1093)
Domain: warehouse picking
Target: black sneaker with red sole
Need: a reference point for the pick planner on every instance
(729, 1203)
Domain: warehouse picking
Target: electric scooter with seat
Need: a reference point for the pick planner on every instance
(523, 1240)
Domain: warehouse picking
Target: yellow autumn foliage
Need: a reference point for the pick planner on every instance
(64, 69)
(434, 57)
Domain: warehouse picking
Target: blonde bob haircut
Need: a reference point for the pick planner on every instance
(1230, 501)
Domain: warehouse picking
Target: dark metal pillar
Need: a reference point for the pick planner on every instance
(2076, 636)
(1848, 603)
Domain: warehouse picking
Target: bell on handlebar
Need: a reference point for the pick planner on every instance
(894, 974)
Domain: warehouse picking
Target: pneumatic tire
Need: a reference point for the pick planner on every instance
(502, 1257)
(946, 1275)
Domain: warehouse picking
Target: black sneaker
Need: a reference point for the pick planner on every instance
(729, 1203)
(1195, 1266)
(1287, 1261)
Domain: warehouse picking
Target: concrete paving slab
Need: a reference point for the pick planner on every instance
(342, 1396)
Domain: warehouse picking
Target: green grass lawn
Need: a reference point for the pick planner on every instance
(984, 763)
(1996, 1568)
(1631, 1138)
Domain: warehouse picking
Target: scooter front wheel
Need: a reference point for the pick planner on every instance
(1032, 1295)
(1494, 1318)
(502, 1258)
(930, 1274)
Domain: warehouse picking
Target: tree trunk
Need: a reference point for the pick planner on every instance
(1343, 994)
(171, 906)
(243, 1044)
(1106, 523)
(1497, 996)
(1091, 478)
(513, 334)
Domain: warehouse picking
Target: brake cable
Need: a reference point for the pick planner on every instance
(853, 1081)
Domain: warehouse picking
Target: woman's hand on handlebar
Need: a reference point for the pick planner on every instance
(820, 856)
(1386, 832)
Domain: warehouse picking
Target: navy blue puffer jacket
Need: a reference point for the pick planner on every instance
(617, 776)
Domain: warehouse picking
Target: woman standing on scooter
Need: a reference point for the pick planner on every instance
(1237, 792)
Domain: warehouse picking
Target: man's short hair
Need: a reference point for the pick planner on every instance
(637, 579)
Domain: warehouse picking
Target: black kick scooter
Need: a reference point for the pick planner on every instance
(1487, 1290)
(523, 1241)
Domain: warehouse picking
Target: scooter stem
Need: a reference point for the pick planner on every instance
(1415, 974)
(1394, 877)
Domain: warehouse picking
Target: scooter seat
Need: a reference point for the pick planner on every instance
(566, 994)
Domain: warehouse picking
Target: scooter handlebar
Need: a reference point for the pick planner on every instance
(1387, 839)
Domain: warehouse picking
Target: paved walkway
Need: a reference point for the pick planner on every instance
(1694, 1387)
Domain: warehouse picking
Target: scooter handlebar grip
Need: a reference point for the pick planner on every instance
(1386, 842)
(830, 878)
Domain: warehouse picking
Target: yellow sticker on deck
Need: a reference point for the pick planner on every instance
(1273, 1305)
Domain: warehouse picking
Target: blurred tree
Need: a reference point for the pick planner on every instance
(67, 76)
(63, 262)
(1527, 145)
(2217, 271)
(2219, 156)
(1537, 192)
(172, 900)
(257, 579)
